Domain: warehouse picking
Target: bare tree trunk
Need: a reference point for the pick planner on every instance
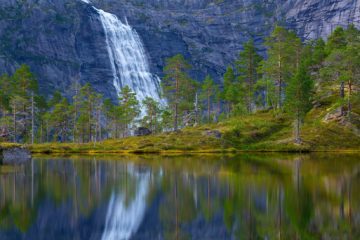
(342, 96)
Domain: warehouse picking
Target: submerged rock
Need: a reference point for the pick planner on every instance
(15, 155)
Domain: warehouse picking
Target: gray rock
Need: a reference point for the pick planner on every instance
(335, 115)
(213, 133)
(63, 40)
(142, 131)
(14, 156)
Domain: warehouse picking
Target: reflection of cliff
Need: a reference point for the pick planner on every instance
(205, 197)
(55, 198)
(123, 220)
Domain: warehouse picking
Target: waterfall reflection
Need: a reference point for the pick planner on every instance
(182, 197)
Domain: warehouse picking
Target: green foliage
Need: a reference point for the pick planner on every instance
(152, 119)
(298, 97)
(298, 74)
(178, 88)
(283, 50)
(337, 40)
(60, 120)
(208, 91)
(128, 105)
(230, 94)
(247, 66)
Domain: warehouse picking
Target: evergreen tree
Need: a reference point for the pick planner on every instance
(17, 104)
(343, 64)
(60, 120)
(337, 40)
(175, 85)
(283, 56)
(207, 94)
(167, 119)
(230, 93)
(129, 107)
(6, 89)
(247, 66)
(56, 98)
(319, 53)
(85, 120)
(153, 113)
(110, 113)
(298, 97)
(98, 110)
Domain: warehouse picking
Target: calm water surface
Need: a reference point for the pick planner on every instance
(187, 197)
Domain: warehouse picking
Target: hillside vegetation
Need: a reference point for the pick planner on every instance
(264, 131)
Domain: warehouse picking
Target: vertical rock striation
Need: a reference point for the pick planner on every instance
(64, 40)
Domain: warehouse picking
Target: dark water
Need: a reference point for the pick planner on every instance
(198, 197)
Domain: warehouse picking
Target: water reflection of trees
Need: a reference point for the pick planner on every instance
(291, 198)
(240, 197)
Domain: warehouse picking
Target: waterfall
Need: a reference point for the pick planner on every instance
(128, 59)
(123, 220)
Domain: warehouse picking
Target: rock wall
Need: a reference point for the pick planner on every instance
(63, 41)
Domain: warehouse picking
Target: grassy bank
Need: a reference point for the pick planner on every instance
(262, 132)
(4, 145)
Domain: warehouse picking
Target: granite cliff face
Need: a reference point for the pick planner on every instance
(63, 40)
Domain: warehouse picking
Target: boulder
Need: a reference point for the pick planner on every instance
(335, 115)
(213, 133)
(142, 131)
(14, 156)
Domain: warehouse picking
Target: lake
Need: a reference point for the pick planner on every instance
(248, 196)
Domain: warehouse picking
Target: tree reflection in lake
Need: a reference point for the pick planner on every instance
(182, 197)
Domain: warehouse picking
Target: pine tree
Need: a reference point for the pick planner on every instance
(17, 104)
(60, 120)
(343, 64)
(298, 97)
(6, 89)
(175, 84)
(337, 40)
(153, 111)
(319, 53)
(283, 56)
(85, 120)
(56, 98)
(247, 66)
(207, 94)
(230, 93)
(129, 107)
(167, 119)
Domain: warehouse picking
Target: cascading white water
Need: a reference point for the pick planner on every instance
(128, 58)
(122, 220)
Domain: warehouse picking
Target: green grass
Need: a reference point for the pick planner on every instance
(5, 145)
(263, 132)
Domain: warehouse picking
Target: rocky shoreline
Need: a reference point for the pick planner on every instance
(14, 156)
